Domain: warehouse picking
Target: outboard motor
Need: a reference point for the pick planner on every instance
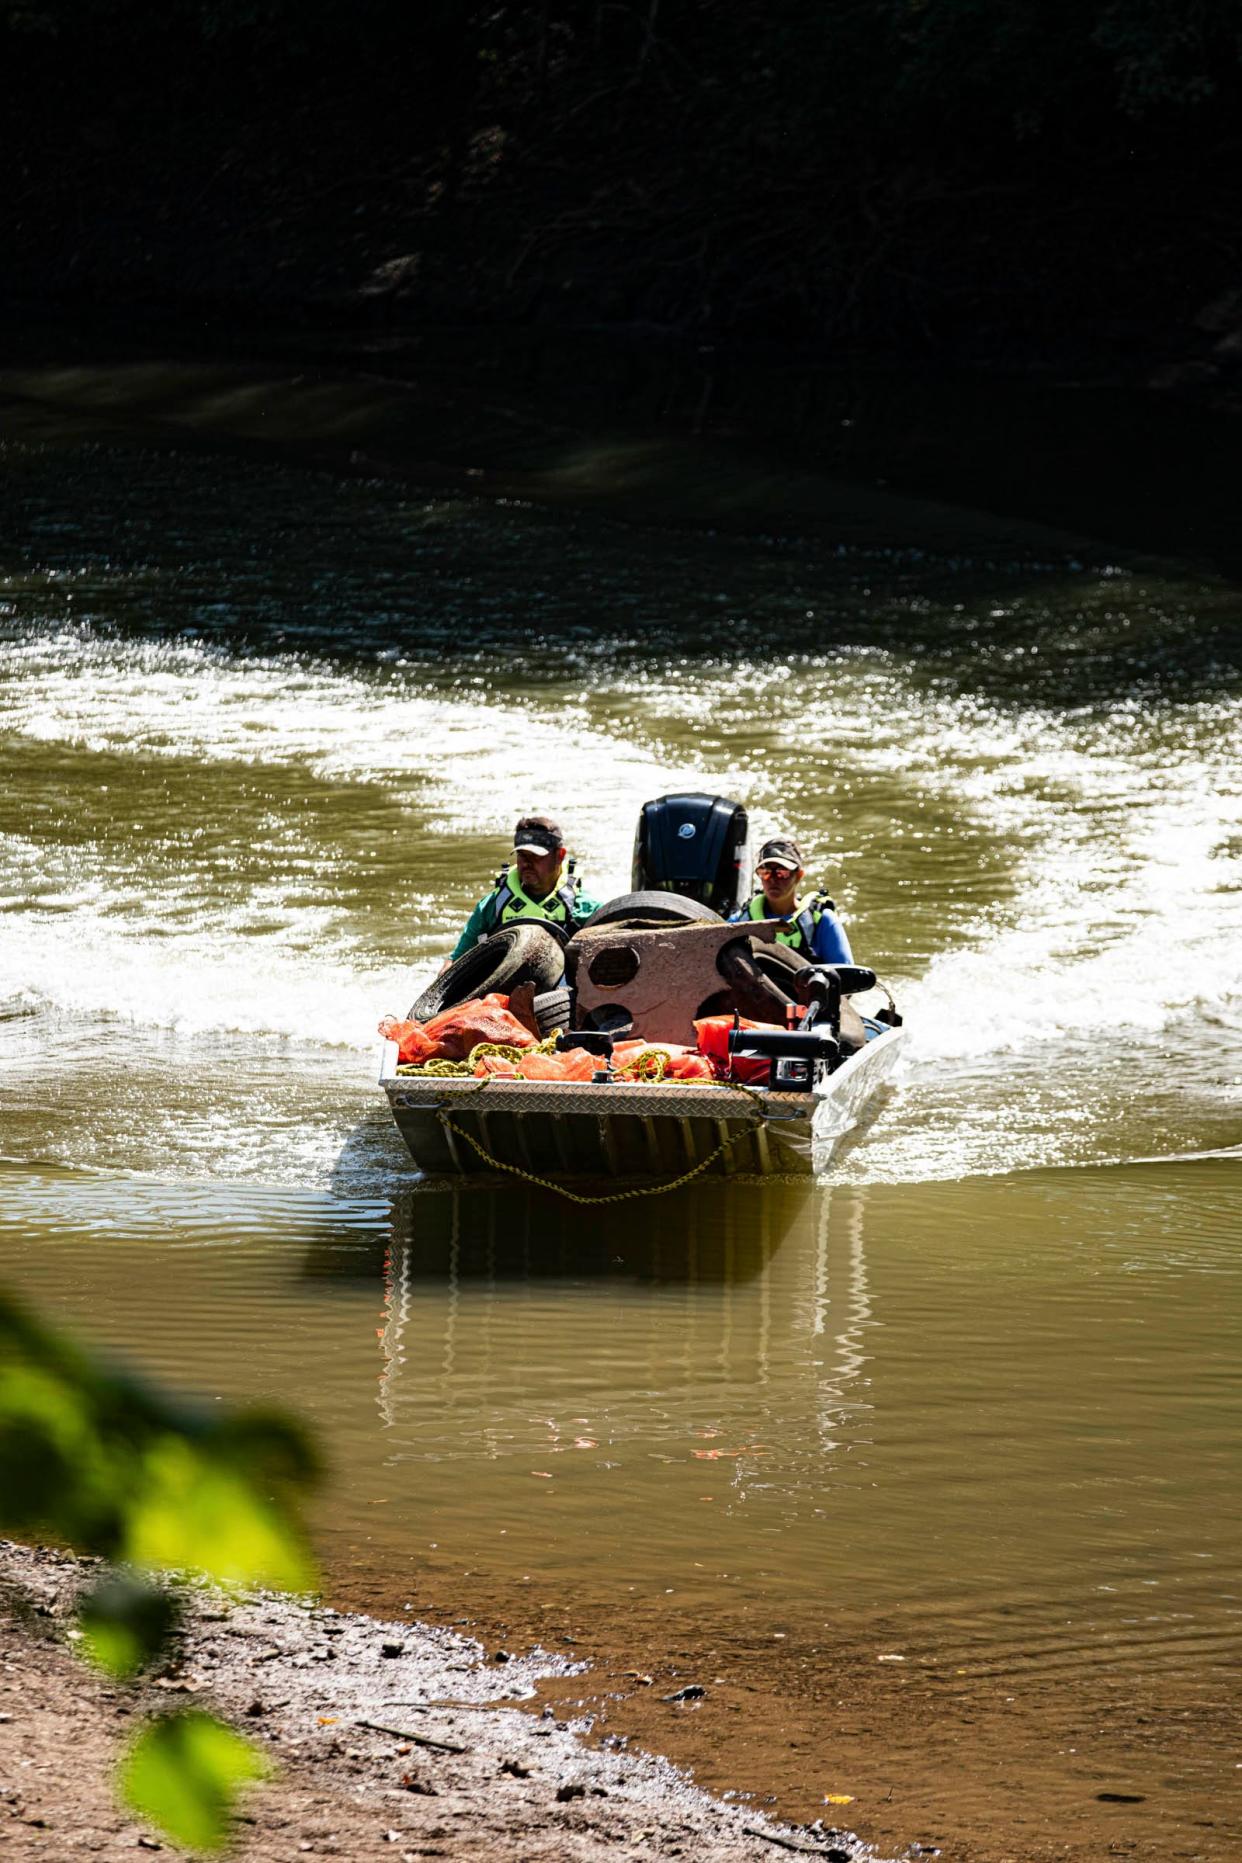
(695, 846)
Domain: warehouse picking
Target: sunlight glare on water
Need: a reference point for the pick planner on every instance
(216, 830)
(263, 736)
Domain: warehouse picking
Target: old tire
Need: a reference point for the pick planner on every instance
(779, 963)
(553, 1009)
(650, 908)
(515, 954)
(755, 993)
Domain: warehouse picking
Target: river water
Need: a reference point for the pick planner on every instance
(928, 1471)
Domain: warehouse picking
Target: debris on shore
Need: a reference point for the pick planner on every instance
(394, 1741)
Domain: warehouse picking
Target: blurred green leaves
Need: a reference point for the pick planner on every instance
(126, 1624)
(92, 1458)
(183, 1772)
(200, 1509)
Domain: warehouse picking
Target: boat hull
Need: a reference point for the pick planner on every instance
(462, 1127)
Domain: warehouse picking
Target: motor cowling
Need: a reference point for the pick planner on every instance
(694, 845)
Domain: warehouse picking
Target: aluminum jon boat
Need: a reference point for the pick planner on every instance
(650, 965)
(552, 1129)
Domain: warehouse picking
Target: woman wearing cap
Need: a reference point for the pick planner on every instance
(539, 886)
(816, 931)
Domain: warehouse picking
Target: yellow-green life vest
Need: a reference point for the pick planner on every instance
(804, 919)
(509, 902)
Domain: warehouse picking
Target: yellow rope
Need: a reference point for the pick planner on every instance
(626, 1077)
(447, 1070)
(435, 1070)
(648, 1064)
(573, 1196)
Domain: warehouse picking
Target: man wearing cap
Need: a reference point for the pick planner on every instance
(539, 886)
(815, 931)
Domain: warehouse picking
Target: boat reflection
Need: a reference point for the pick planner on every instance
(692, 1285)
(712, 1232)
(840, 1316)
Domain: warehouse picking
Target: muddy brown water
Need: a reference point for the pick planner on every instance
(926, 1473)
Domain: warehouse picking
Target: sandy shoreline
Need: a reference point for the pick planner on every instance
(393, 1740)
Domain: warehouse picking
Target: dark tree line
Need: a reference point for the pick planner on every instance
(972, 177)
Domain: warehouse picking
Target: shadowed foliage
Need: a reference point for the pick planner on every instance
(94, 1459)
(937, 173)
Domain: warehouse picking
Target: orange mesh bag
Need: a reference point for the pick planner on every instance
(713, 1033)
(456, 1031)
(689, 1066)
(577, 1064)
(572, 1064)
(539, 1067)
(680, 1063)
(414, 1045)
(623, 1052)
(497, 1065)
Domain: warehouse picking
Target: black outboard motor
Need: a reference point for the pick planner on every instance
(695, 846)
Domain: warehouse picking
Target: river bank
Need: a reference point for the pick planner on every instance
(396, 1740)
(957, 463)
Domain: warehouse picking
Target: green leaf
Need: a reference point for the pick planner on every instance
(195, 1511)
(183, 1773)
(88, 1455)
(56, 1475)
(126, 1624)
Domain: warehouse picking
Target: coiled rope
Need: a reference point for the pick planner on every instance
(448, 1070)
(650, 1065)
